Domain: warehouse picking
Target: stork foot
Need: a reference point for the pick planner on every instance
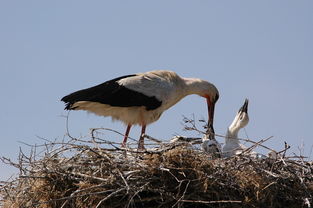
(141, 147)
(123, 145)
(142, 139)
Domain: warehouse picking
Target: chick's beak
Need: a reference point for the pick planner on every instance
(244, 108)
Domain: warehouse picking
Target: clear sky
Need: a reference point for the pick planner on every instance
(261, 50)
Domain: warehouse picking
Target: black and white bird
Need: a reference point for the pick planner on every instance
(232, 144)
(141, 98)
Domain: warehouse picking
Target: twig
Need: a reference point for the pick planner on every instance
(112, 130)
(153, 139)
(86, 176)
(67, 127)
(72, 197)
(135, 194)
(212, 202)
(255, 144)
(109, 196)
(183, 195)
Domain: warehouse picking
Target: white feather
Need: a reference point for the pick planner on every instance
(232, 144)
(210, 145)
(129, 115)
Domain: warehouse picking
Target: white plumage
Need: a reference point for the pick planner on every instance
(141, 98)
(232, 144)
(211, 146)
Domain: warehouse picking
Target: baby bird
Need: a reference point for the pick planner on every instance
(210, 145)
(232, 144)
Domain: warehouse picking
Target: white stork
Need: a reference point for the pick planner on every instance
(141, 98)
(209, 143)
(211, 146)
(232, 144)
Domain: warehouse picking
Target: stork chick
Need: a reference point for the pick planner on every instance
(232, 144)
(210, 145)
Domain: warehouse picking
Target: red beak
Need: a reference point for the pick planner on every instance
(211, 107)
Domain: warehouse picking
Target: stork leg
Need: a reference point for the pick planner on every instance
(126, 135)
(141, 139)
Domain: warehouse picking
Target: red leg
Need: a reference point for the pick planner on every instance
(126, 135)
(141, 139)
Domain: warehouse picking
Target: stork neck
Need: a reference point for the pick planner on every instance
(232, 135)
(194, 86)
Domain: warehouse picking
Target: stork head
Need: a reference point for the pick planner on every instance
(211, 96)
(242, 118)
(204, 89)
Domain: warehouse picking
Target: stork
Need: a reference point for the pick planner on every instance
(210, 145)
(232, 144)
(140, 99)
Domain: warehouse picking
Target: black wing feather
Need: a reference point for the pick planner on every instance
(113, 94)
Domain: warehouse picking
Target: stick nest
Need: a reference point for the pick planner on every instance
(97, 173)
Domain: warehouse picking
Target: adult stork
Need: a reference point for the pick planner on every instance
(141, 98)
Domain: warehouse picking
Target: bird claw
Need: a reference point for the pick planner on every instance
(210, 132)
(141, 148)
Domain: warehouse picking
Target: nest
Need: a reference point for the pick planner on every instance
(97, 173)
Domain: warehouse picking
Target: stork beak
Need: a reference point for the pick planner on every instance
(244, 108)
(211, 107)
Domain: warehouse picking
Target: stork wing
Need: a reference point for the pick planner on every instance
(113, 93)
(152, 84)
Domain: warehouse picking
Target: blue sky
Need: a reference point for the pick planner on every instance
(261, 50)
